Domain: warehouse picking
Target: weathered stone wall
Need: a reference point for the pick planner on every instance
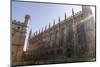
(71, 38)
(18, 34)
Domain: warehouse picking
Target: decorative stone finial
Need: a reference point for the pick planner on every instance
(53, 22)
(59, 19)
(27, 17)
(65, 15)
(72, 11)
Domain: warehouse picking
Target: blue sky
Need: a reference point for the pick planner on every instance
(41, 14)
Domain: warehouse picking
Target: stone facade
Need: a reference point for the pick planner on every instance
(18, 34)
(74, 37)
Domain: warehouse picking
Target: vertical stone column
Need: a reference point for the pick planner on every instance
(59, 32)
(54, 40)
(74, 34)
(49, 34)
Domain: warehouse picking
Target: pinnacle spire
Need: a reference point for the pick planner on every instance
(72, 11)
(65, 15)
(45, 27)
(59, 19)
(53, 22)
(86, 10)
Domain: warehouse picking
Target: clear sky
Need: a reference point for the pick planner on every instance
(41, 13)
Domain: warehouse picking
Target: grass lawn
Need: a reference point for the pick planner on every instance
(71, 60)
